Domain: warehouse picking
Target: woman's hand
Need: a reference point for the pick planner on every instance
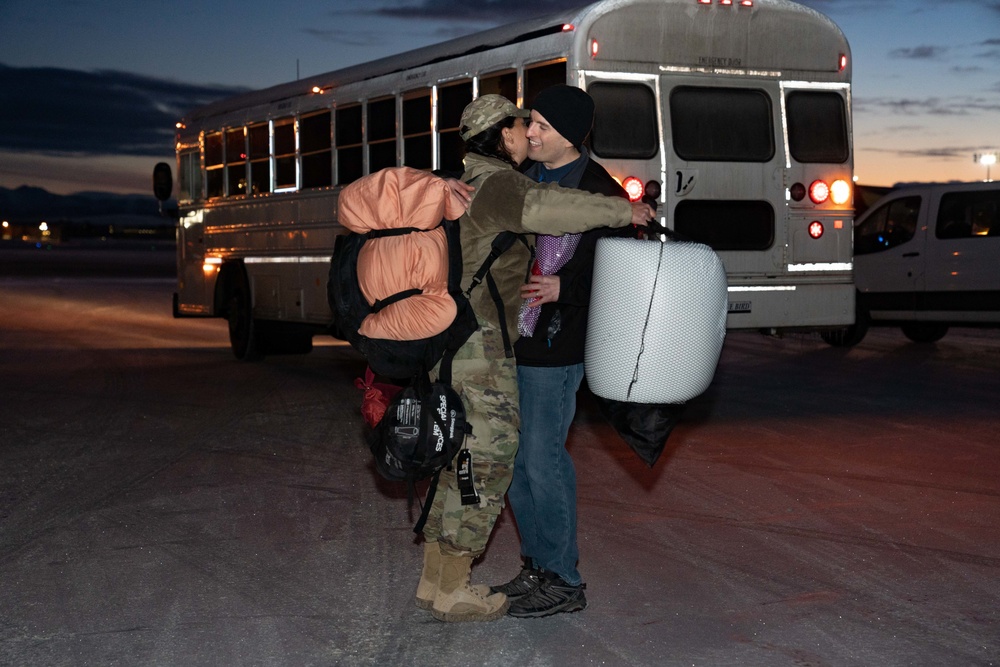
(642, 213)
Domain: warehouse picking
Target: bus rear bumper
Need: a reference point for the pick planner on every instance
(790, 307)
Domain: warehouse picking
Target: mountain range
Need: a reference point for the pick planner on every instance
(31, 205)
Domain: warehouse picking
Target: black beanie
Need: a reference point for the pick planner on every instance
(569, 110)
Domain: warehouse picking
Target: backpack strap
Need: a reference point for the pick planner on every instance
(393, 298)
(501, 244)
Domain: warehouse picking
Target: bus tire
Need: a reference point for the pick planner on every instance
(848, 336)
(244, 331)
(924, 332)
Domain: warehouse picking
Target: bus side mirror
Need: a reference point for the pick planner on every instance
(163, 181)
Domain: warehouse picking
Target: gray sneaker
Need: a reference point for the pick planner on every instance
(553, 596)
(527, 581)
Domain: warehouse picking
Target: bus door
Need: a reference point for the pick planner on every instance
(193, 272)
(724, 170)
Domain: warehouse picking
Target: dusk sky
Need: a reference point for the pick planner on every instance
(90, 89)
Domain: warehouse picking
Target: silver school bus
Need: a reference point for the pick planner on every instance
(735, 115)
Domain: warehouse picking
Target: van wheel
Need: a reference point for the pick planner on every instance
(244, 332)
(848, 336)
(924, 332)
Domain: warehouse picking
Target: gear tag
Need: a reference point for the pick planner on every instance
(466, 484)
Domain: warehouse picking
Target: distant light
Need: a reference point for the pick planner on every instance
(317, 89)
(746, 3)
(704, 2)
(725, 2)
(43, 226)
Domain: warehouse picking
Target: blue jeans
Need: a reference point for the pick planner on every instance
(542, 493)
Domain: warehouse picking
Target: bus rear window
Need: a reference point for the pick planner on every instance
(726, 225)
(817, 127)
(721, 124)
(624, 121)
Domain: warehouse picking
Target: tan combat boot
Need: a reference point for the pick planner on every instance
(430, 574)
(457, 600)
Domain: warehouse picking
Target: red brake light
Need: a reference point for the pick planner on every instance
(746, 3)
(842, 63)
(593, 48)
(568, 27)
(819, 192)
(633, 186)
(816, 229)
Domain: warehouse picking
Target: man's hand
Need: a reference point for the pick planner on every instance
(540, 289)
(642, 214)
(461, 191)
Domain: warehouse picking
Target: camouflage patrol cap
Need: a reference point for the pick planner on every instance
(486, 111)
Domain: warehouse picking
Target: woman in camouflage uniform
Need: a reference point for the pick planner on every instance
(455, 534)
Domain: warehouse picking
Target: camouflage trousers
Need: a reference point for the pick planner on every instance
(487, 383)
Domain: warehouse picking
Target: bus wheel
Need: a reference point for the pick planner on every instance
(244, 335)
(848, 336)
(924, 332)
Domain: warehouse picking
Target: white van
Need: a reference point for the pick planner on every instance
(927, 257)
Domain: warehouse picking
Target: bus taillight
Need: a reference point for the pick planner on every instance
(840, 192)
(594, 48)
(819, 192)
(842, 63)
(816, 229)
(633, 186)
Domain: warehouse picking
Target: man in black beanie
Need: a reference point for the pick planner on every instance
(553, 323)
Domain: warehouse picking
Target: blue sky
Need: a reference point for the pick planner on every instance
(89, 90)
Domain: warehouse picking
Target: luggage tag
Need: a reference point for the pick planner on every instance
(466, 483)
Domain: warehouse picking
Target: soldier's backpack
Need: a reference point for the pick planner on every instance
(395, 294)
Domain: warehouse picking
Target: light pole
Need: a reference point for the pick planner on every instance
(987, 160)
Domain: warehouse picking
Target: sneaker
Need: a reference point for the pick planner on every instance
(553, 596)
(527, 580)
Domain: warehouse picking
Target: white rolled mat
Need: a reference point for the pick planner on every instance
(657, 320)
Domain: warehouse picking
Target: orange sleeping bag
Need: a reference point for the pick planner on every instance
(396, 198)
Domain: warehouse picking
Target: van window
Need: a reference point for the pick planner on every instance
(964, 215)
(890, 225)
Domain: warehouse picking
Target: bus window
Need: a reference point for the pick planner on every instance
(381, 130)
(260, 156)
(417, 151)
(624, 121)
(499, 83)
(284, 154)
(817, 126)
(721, 124)
(236, 162)
(314, 146)
(538, 77)
(888, 226)
(213, 164)
(726, 225)
(349, 159)
(452, 100)
(189, 177)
